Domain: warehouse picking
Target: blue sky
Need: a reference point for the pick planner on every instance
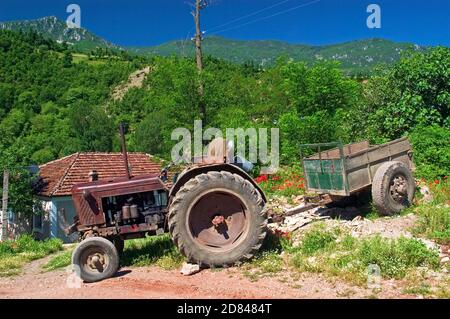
(150, 22)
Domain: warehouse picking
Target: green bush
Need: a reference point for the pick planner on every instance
(317, 239)
(431, 151)
(295, 130)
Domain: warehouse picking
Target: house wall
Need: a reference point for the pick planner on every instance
(60, 212)
(57, 214)
(19, 224)
(65, 215)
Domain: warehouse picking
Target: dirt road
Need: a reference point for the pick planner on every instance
(153, 282)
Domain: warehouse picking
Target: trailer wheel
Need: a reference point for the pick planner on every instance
(95, 259)
(392, 188)
(218, 219)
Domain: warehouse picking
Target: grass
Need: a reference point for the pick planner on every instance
(79, 58)
(265, 264)
(15, 254)
(336, 253)
(153, 250)
(433, 223)
(434, 217)
(318, 239)
(59, 261)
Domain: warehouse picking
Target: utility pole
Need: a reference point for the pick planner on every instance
(4, 217)
(198, 7)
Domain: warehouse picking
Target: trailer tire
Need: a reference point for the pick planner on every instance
(95, 259)
(392, 188)
(218, 219)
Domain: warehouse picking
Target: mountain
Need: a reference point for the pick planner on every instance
(355, 56)
(359, 56)
(55, 29)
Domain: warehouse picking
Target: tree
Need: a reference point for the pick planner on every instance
(414, 92)
(67, 59)
(91, 126)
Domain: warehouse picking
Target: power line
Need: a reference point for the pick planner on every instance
(268, 17)
(248, 15)
(185, 41)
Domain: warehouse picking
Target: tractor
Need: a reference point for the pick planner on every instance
(214, 212)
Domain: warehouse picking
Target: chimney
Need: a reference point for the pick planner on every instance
(93, 176)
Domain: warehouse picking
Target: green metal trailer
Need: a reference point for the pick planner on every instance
(344, 170)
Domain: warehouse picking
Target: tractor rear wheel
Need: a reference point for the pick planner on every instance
(392, 188)
(218, 219)
(95, 259)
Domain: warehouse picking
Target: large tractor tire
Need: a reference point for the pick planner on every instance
(218, 219)
(392, 188)
(95, 259)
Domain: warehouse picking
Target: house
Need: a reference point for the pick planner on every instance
(59, 176)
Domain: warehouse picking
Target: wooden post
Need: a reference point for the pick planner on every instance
(199, 5)
(4, 217)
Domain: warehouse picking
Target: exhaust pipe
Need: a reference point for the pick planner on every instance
(124, 150)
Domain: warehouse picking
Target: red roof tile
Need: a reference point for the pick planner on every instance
(61, 175)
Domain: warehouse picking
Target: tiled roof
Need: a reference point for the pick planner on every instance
(59, 176)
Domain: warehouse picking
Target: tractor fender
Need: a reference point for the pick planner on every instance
(193, 171)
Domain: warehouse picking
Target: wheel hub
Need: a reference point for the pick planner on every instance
(398, 188)
(217, 220)
(96, 261)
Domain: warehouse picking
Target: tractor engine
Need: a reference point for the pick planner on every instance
(136, 208)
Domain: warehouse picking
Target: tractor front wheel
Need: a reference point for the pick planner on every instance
(95, 259)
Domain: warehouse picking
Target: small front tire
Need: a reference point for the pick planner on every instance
(95, 259)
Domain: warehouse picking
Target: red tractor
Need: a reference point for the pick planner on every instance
(214, 212)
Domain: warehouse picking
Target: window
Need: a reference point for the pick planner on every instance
(11, 217)
(38, 222)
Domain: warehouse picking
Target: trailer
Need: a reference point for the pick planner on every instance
(338, 170)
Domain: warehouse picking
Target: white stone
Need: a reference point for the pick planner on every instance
(189, 269)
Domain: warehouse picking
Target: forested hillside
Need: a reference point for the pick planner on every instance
(54, 102)
(356, 57)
